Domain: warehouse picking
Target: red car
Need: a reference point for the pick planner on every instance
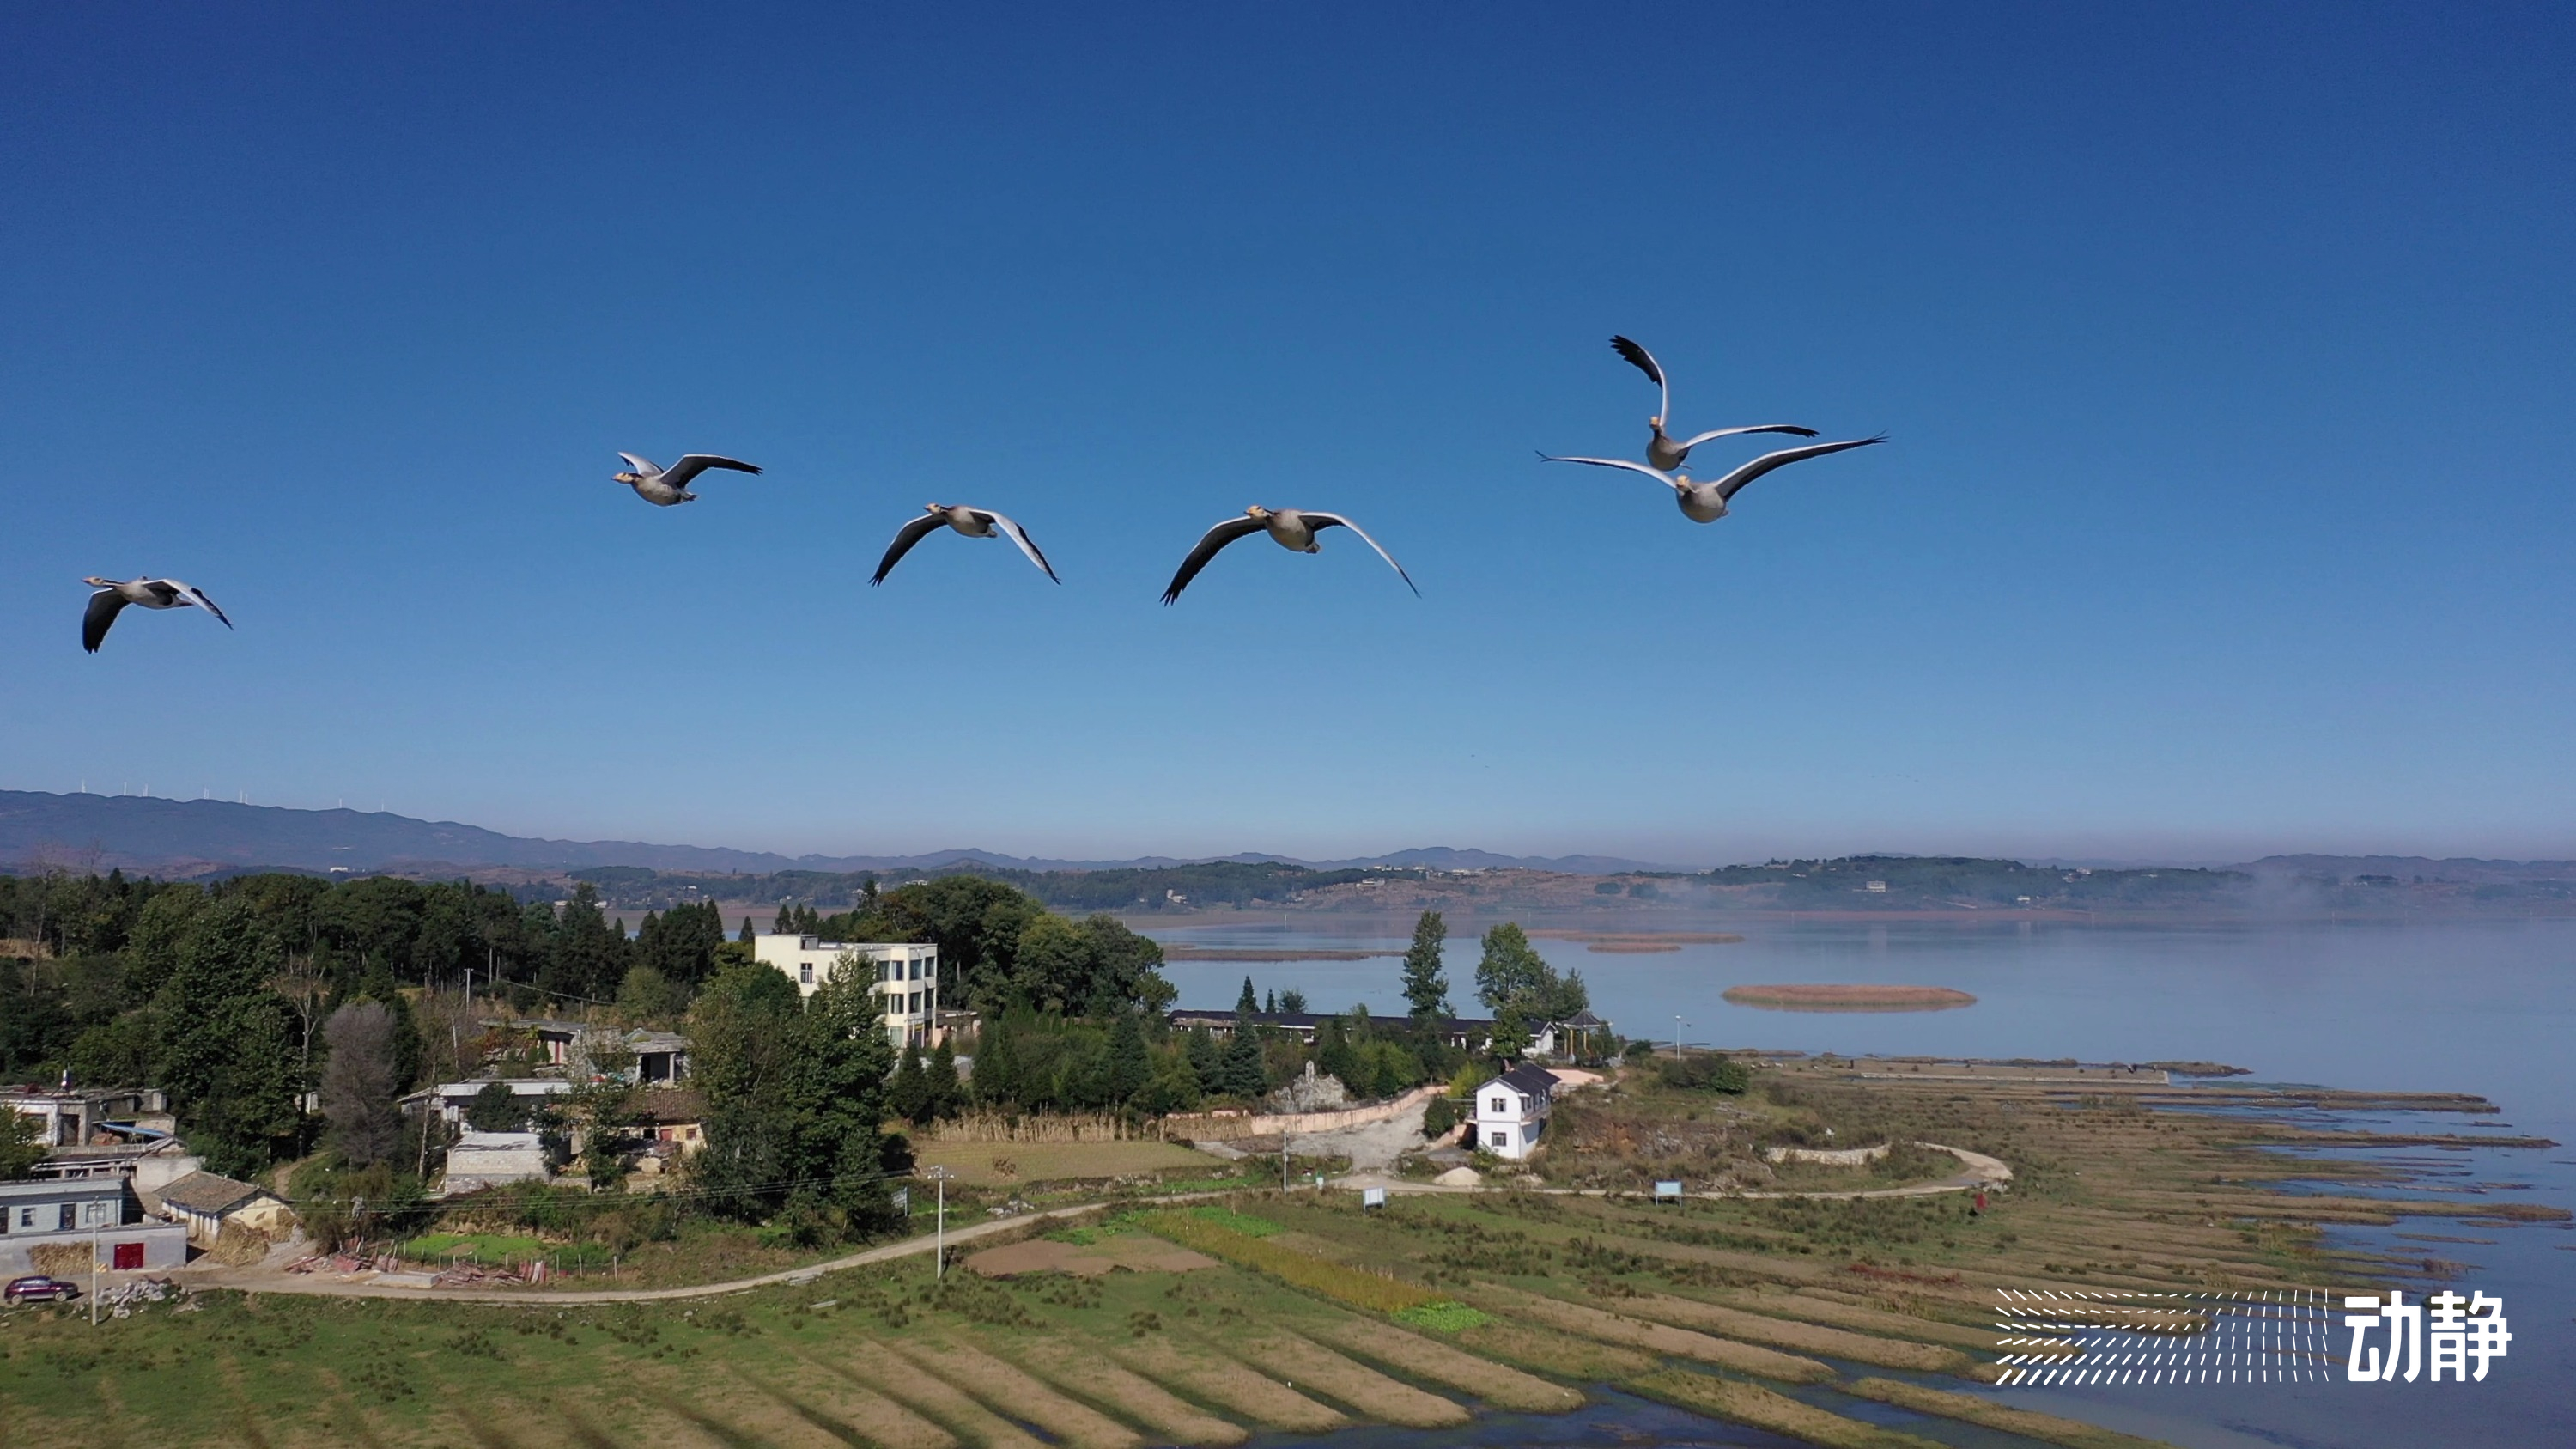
(30, 1289)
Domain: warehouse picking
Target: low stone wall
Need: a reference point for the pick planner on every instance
(993, 1127)
(1234, 1126)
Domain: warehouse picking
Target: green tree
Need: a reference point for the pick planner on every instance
(22, 1146)
(588, 958)
(1426, 987)
(908, 1094)
(1513, 977)
(229, 1055)
(496, 1108)
(1207, 1062)
(359, 1087)
(1240, 1072)
(946, 1092)
(1130, 1063)
(1247, 1004)
(1292, 1001)
(795, 1093)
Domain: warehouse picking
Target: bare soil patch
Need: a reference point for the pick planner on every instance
(1000, 1164)
(1136, 1252)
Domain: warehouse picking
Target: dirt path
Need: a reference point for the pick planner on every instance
(1388, 1138)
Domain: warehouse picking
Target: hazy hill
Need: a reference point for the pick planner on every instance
(192, 837)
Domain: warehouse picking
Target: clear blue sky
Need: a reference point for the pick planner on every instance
(2227, 355)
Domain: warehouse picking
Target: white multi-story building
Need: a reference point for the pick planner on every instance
(906, 975)
(1512, 1109)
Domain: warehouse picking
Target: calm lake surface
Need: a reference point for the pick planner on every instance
(2483, 1007)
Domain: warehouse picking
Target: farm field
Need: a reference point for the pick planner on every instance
(1296, 1313)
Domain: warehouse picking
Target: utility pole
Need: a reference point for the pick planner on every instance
(1283, 1159)
(1678, 1024)
(93, 1272)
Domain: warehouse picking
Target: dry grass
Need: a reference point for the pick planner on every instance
(1747, 1404)
(1782, 1333)
(1354, 1286)
(1587, 1360)
(812, 1391)
(1017, 1164)
(1078, 1368)
(933, 1398)
(1297, 1360)
(1815, 1308)
(2047, 1428)
(1657, 1337)
(1427, 1358)
(1007, 1386)
(1229, 1384)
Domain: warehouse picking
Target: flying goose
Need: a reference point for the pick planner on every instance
(664, 487)
(1706, 502)
(1662, 451)
(972, 522)
(1290, 528)
(112, 597)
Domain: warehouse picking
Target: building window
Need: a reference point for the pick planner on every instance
(1502, 1139)
(805, 973)
(913, 1002)
(1502, 1107)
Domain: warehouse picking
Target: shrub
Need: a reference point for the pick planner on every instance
(1440, 1118)
(1445, 1316)
(1705, 1073)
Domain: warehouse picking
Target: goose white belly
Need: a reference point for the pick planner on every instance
(1291, 532)
(1700, 505)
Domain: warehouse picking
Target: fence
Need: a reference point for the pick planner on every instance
(1231, 1126)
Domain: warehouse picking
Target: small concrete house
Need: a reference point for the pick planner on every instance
(1511, 1110)
(204, 1202)
(68, 1215)
(493, 1159)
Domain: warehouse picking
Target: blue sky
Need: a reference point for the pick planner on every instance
(2226, 355)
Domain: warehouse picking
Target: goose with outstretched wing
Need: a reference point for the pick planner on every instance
(663, 487)
(1705, 502)
(972, 522)
(113, 595)
(1293, 529)
(1663, 451)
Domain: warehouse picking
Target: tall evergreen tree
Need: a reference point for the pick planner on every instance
(1247, 1003)
(1206, 1061)
(1426, 987)
(945, 1089)
(1130, 1065)
(908, 1095)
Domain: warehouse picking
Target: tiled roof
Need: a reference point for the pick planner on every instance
(207, 1192)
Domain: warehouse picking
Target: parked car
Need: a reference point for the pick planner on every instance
(37, 1286)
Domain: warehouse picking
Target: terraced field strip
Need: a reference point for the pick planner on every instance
(1007, 1386)
(1750, 1404)
(1078, 1369)
(1814, 1308)
(1222, 1381)
(1584, 1360)
(1654, 1337)
(1737, 1324)
(1968, 1408)
(1428, 1358)
(712, 1415)
(1299, 1360)
(933, 1398)
(817, 1395)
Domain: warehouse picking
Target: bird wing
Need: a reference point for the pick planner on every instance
(1658, 474)
(910, 534)
(694, 464)
(1209, 542)
(193, 596)
(640, 465)
(104, 606)
(1645, 363)
(1691, 443)
(1019, 536)
(1330, 520)
(1733, 483)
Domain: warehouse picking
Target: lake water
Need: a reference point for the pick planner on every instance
(2484, 1007)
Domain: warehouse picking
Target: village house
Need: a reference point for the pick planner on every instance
(50, 1226)
(450, 1099)
(477, 1160)
(77, 1116)
(1512, 1109)
(905, 973)
(204, 1202)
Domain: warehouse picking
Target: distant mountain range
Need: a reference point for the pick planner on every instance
(145, 833)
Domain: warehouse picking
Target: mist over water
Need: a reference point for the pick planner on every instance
(2487, 1007)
